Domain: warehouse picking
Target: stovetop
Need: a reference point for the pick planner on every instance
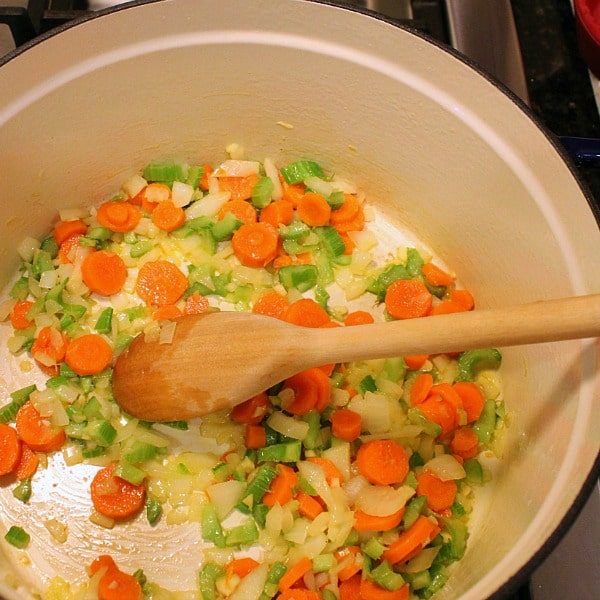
(530, 46)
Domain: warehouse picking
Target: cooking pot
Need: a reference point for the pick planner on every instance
(440, 149)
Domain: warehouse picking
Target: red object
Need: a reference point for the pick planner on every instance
(587, 18)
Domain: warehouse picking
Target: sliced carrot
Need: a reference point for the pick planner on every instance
(347, 211)
(167, 216)
(28, 464)
(117, 585)
(465, 443)
(356, 224)
(371, 591)
(350, 589)
(417, 536)
(383, 462)
(48, 349)
(463, 297)
(114, 497)
(160, 282)
(332, 473)
(359, 317)
(349, 245)
(241, 209)
(88, 354)
(460, 301)
(154, 194)
(294, 573)
(279, 212)
(282, 487)
(407, 299)
(10, 449)
(307, 506)
(18, 315)
(299, 594)
(439, 411)
(207, 171)
(255, 436)
(440, 494)
(420, 388)
(65, 229)
(104, 272)
(350, 557)
(241, 566)
(67, 250)
(313, 209)
(251, 411)
(346, 424)
(307, 313)
(416, 361)
(472, 399)
(448, 393)
(118, 216)
(255, 244)
(104, 561)
(436, 276)
(36, 431)
(195, 304)
(366, 522)
(271, 304)
(292, 192)
(312, 389)
(168, 311)
(240, 188)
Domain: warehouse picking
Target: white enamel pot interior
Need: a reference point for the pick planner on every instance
(439, 148)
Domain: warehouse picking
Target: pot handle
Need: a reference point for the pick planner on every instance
(584, 151)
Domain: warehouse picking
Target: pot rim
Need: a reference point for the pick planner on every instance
(588, 486)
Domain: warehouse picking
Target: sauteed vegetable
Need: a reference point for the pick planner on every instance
(344, 481)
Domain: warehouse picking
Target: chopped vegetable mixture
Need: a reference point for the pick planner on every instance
(345, 481)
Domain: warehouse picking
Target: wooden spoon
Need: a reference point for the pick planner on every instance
(220, 359)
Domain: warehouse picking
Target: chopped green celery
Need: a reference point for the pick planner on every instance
(56, 292)
(300, 277)
(182, 469)
(153, 509)
(455, 548)
(415, 460)
(93, 451)
(130, 473)
(89, 242)
(104, 322)
(394, 369)
(438, 580)
(352, 539)
(323, 563)
(458, 510)
(272, 437)
(330, 240)
(296, 230)
(472, 360)
(19, 397)
(328, 595)
(419, 581)
(343, 260)
(336, 199)
(257, 487)
(242, 293)
(139, 575)
(486, 424)
(259, 512)
(194, 175)
(65, 323)
(220, 282)
(123, 340)
(181, 425)
(474, 471)
(87, 383)
(414, 262)
(74, 310)
(164, 172)
(23, 491)
(211, 526)
(295, 247)
(100, 234)
(311, 439)
(42, 261)
(288, 452)
(380, 285)
(367, 384)
(276, 572)
(50, 246)
(16, 536)
(140, 451)
(57, 381)
(411, 480)
(102, 432)
(140, 248)
(384, 576)
(20, 289)
(305, 487)
(261, 193)
(300, 170)
(199, 288)
(37, 307)
(413, 509)
(245, 534)
(416, 417)
(225, 228)
(436, 290)
(373, 548)
(201, 222)
(321, 296)
(325, 274)
(223, 471)
(136, 312)
(207, 578)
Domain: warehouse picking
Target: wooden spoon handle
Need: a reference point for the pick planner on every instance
(537, 322)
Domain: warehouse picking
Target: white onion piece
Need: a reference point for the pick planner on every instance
(354, 486)
(422, 561)
(167, 331)
(288, 426)
(208, 206)
(6, 308)
(27, 247)
(252, 585)
(237, 168)
(181, 194)
(273, 174)
(72, 214)
(383, 500)
(445, 467)
(134, 185)
(320, 186)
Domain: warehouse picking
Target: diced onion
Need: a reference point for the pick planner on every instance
(382, 500)
(237, 168)
(57, 529)
(445, 467)
(134, 185)
(422, 561)
(6, 307)
(27, 247)
(181, 193)
(252, 585)
(100, 519)
(288, 426)
(225, 495)
(208, 206)
(73, 214)
(320, 186)
(167, 332)
(272, 173)
(235, 151)
(354, 486)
